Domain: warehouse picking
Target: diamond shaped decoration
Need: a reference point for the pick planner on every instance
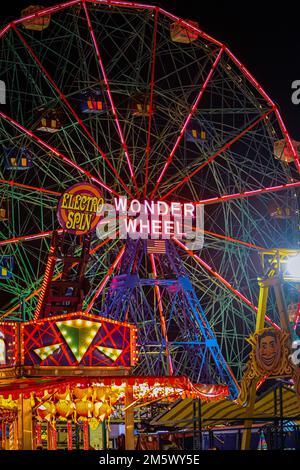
(78, 334)
(111, 353)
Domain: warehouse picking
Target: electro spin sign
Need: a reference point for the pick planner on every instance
(80, 208)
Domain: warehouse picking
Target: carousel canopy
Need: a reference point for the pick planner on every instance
(143, 387)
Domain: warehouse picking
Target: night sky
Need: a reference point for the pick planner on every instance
(264, 35)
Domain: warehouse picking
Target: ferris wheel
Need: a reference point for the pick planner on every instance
(142, 104)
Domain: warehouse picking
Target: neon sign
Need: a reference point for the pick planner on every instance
(80, 208)
(153, 218)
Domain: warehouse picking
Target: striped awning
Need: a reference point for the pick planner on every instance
(269, 403)
(227, 412)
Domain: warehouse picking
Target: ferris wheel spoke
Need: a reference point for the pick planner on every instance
(70, 107)
(184, 127)
(26, 238)
(110, 98)
(288, 139)
(246, 194)
(5, 30)
(219, 152)
(271, 102)
(27, 187)
(229, 239)
(152, 82)
(103, 283)
(223, 281)
(55, 152)
(161, 315)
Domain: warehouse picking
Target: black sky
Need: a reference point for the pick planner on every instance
(265, 36)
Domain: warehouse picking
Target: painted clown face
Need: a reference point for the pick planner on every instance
(268, 351)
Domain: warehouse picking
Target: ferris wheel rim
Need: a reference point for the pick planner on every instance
(188, 26)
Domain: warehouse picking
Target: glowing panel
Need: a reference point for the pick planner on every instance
(77, 338)
(79, 334)
(113, 354)
(47, 351)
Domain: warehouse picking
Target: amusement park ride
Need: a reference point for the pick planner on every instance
(279, 267)
(106, 100)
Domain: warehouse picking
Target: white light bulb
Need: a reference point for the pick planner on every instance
(293, 266)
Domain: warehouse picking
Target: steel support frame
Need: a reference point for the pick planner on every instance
(199, 337)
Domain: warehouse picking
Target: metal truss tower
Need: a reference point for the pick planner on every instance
(174, 333)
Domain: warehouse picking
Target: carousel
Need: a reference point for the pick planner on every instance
(69, 375)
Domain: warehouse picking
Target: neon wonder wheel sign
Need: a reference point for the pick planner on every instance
(155, 219)
(81, 209)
